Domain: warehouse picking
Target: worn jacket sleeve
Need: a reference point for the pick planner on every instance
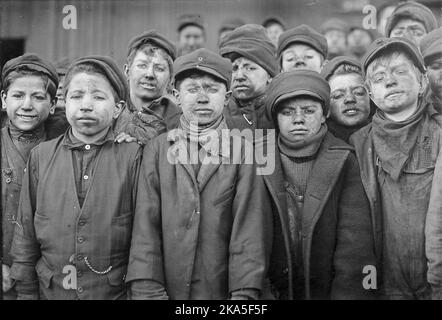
(433, 232)
(146, 258)
(251, 237)
(355, 245)
(25, 250)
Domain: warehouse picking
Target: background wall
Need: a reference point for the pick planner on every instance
(106, 26)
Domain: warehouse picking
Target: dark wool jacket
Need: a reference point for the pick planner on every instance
(53, 231)
(202, 235)
(336, 227)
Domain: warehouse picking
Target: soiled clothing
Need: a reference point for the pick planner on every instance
(53, 231)
(84, 157)
(404, 199)
(252, 115)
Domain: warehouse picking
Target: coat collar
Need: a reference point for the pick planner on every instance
(217, 152)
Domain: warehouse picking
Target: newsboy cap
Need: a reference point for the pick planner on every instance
(33, 62)
(412, 10)
(297, 83)
(206, 61)
(190, 20)
(303, 34)
(250, 41)
(432, 44)
(380, 45)
(330, 67)
(157, 39)
(110, 69)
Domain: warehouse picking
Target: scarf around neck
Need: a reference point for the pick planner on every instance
(305, 149)
(394, 141)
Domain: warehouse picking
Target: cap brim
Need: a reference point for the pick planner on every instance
(297, 93)
(416, 55)
(210, 71)
(433, 50)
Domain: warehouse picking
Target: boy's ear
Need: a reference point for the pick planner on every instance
(3, 94)
(126, 70)
(176, 94)
(119, 106)
(227, 98)
(53, 105)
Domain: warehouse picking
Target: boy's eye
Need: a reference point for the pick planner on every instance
(359, 92)
(142, 65)
(40, 98)
(160, 68)
(337, 96)
(99, 98)
(192, 90)
(17, 95)
(309, 111)
(287, 112)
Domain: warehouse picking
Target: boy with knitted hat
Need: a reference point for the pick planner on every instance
(254, 65)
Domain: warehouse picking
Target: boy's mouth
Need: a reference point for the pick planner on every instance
(26, 117)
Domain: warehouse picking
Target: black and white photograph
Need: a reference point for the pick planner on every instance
(221, 150)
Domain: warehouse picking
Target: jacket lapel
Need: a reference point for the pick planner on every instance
(324, 175)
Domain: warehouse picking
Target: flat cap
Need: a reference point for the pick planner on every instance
(412, 10)
(231, 24)
(330, 67)
(62, 66)
(155, 38)
(274, 19)
(303, 34)
(432, 44)
(32, 62)
(206, 61)
(110, 69)
(297, 83)
(250, 41)
(379, 45)
(334, 24)
(190, 20)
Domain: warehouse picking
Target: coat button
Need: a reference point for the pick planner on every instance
(86, 177)
(285, 271)
(81, 222)
(8, 180)
(80, 239)
(80, 289)
(87, 147)
(80, 257)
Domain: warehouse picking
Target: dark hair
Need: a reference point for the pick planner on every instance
(24, 71)
(194, 74)
(345, 68)
(88, 68)
(149, 49)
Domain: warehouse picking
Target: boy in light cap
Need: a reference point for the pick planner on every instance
(411, 20)
(321, 215)
(400, 166)
(74, 220)
(302, 48)
(254, 65)
(211, 239)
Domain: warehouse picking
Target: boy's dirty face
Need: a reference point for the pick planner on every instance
(249, 80)
(148, 76)
(411, 29)
(349, 101)
(434, 73)
(202, 98)
(299, 118)
(90, 106)
(302, 57)
(394, 84)
(27, 102)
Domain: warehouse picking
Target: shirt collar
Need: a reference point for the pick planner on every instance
(71, 142)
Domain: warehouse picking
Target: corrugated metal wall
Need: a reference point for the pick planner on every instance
(106, 26)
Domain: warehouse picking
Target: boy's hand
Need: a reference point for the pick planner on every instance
(124, 137)
(7, 281)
